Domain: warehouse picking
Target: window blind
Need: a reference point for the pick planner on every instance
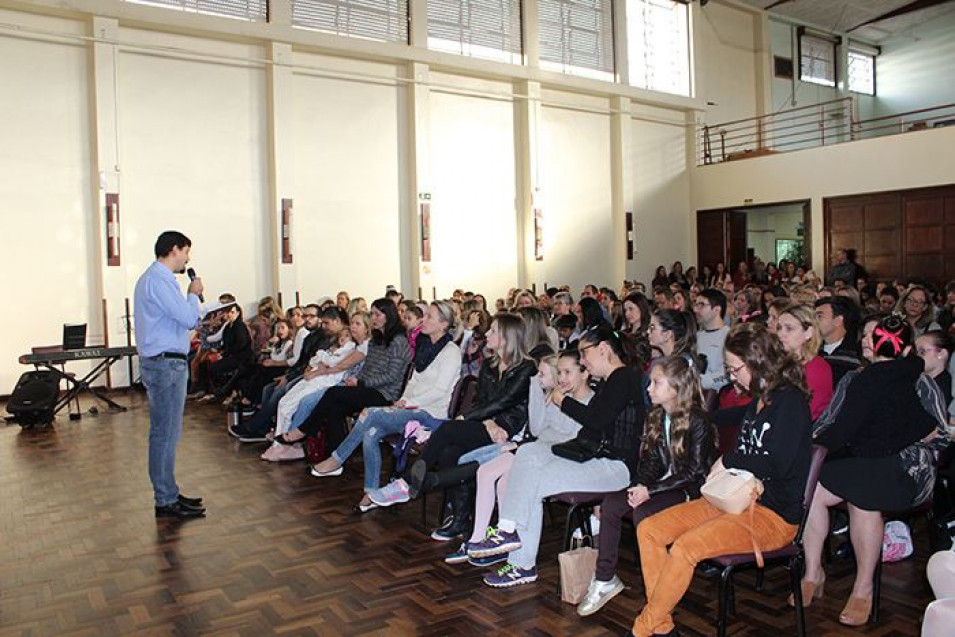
(489, 29)
(253, 10)
(817, 58)
(576, 37)
(658, 39)
(385, 20)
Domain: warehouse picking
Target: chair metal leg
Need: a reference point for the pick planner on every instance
(876, 591)
(726, 587)
(795, 579)
(759, 581)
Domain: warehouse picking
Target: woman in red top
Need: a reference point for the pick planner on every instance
(799, 332)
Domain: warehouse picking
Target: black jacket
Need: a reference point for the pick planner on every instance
(843, 359)
(614, 417)
(687, 473)
(882, 413)
(503, 397)
(237, 342)
(316, 340)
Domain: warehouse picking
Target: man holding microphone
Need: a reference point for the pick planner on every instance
(163, 320)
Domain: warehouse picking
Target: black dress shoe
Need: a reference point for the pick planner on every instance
(193, 503)
(180, 512)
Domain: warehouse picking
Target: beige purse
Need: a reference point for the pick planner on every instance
(734, 491)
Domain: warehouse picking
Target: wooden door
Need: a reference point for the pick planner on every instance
(710, 238)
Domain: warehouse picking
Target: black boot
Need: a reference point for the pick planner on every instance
(461, 498)
(420, 479)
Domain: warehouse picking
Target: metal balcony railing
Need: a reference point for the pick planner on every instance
(824, 124)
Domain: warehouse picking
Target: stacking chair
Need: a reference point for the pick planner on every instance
(792, 556)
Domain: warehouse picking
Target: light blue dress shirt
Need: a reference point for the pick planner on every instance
(163, 317)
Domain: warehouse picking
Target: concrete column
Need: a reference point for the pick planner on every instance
(111, 287)
(417, 273)
(621, 187)
(527, 117)
(279, 91)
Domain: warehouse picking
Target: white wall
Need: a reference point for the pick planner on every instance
(192, 142)
(46, 239)
(575, 187)
(765, 225)
(661, 185)
(911, 160)
(724, 51)
(473, 215)
(346, 155)
(915, 69)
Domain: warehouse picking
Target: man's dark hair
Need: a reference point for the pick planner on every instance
(316, 307)
(335, 312)
(844, 307)
(890, 291)
(566, 321)
(551, 291)
(716, 298)
(168, 240)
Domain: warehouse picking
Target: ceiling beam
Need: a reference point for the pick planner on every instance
(917, 5)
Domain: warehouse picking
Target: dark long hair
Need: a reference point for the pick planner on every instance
(770, 365)
(605, 334)
(591, 313)
(392, 327)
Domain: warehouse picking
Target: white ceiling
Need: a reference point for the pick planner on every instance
(843, 15)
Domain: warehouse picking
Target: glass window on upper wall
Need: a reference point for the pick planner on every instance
(658, 45)
(576, 37)
(860, 68)
(817, 59)
(252, 10)
(487, 29)
(385, 20)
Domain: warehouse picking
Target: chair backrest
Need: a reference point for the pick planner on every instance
(815, 466)
(462, 396)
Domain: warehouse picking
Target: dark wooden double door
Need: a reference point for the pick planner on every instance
(899, 235)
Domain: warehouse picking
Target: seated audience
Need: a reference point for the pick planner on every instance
(774, 444)
(876, 462)
(709, 310)
(499, 413)
(613, 420)
(678, 450)
(837, 318)
(377, 385)
(916, 306)
(546, 424)
(426, 399)
(799, 333)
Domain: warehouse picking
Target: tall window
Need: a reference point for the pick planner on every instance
(861, 69)
(576, 37)
(489, 29)
(658, 45)
(253, 10)
(817, 58)
(385, 20)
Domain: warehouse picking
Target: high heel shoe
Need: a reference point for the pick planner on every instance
(856, 612)
(810, 591)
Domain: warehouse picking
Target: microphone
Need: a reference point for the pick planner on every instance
(191, 273)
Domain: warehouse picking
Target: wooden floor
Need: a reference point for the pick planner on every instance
(280, 553)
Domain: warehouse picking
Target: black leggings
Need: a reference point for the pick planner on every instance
(452, 440)
(337, 404)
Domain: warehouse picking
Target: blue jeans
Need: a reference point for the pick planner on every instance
(305, 407)
(165, 380)
(368, 431)
(261, 422)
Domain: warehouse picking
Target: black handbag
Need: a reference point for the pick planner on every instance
(579, 449)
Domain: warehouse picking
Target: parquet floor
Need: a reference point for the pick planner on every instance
(280, 553)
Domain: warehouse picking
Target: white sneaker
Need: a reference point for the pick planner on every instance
(598, 594)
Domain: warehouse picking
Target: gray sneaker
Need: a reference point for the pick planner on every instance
(598, 594)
